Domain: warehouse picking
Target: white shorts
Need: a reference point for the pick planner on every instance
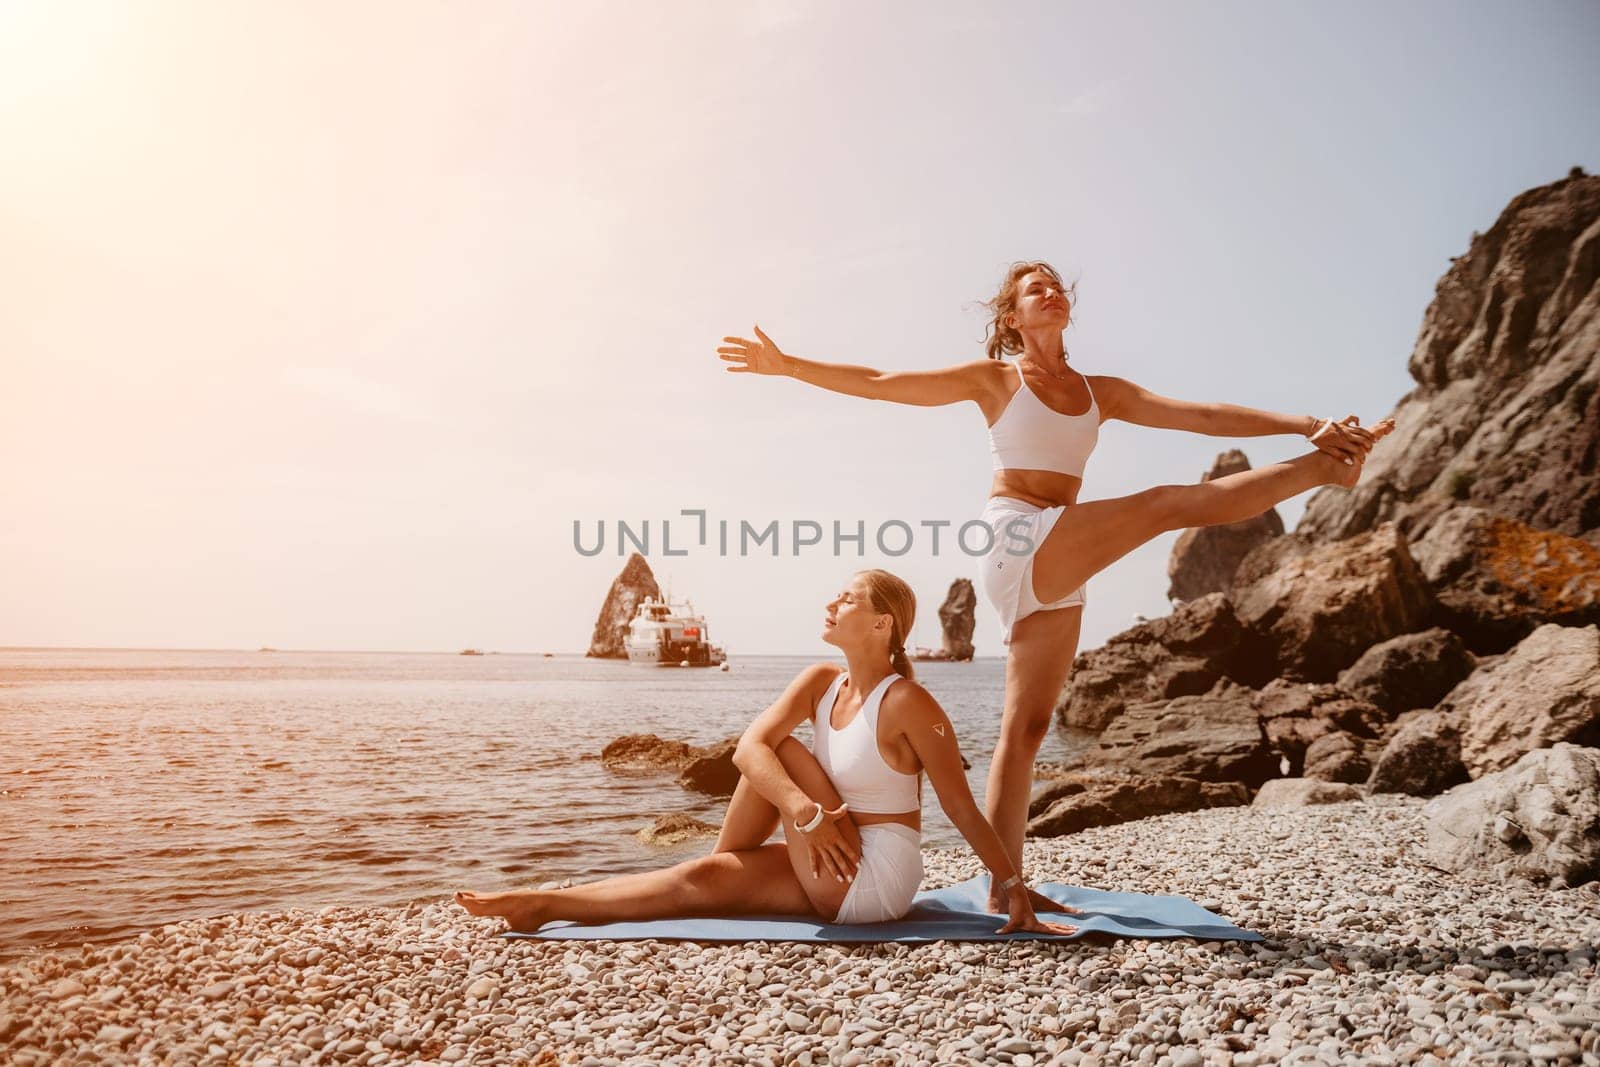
(886, 882)
(1019, 528)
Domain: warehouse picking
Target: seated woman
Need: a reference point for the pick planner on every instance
(851, 807)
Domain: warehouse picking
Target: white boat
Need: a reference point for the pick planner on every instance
(668, 633)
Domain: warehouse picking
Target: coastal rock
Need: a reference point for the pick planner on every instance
(1295, 715)
(1205, 558)
(1409, 671)
(1322, 606)
(712, 770)
(957, 618)
(1495, 579)
(1303, 792)
(1338, 757)
(1182, 654)
(1538, 819)
(1422, 756)
(1545, 690)
(675, 829)
(1213, 737)
(628, 590)
(647, 754)
(1108, 800)
(1506, 412)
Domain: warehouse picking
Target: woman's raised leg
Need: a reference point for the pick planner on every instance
(1088, 538)
(750, 820)
(1040, 658)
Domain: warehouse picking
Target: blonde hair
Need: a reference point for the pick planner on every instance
(1002, 340)
(892, 596)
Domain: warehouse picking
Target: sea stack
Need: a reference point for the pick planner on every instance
(632, 587)
(1205, 558)
(957, 619)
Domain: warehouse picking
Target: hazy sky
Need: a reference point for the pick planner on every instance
(320, 324)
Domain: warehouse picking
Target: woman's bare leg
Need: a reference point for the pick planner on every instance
(1037, 665)
(750, 820)
(763, 880)
(1088, 538)
(758, 881)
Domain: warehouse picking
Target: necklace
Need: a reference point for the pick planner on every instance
(1050, 373)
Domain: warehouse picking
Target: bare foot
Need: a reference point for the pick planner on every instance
(522, 909)
(1348, 474)
(1040, 902)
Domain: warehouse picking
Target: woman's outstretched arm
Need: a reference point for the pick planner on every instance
(1121, 399)
(928, 730)
(931, 388)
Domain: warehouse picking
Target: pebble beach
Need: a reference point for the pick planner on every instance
(1369, 957)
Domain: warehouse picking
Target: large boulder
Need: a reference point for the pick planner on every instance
(1182, 654)
(1409, 671)
(1422, 756)
(957, 618)
(712, 770)
(675, 829)
(1339, 757)
(1539, 819)
(1495, 578)
(1295, 715)
(1111, 800)
(1214, 737)
(1322, 606)
(646, 754)
(1205, 558)
(629, 589)
(1545, 690)
(1303, 792)
(1506, 411)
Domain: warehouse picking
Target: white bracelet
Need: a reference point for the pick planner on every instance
(1319, 431)
(813, 824)
(1010, 883)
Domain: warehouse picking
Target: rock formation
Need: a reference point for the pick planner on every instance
(1409, 671)
(1539, 819)
(1545, 690)
(957, 617)
(1213, 737)
(1183, 654)
(1301, 792)
(1495, 578)
(1204, 559)
(707, 769)
(1506, 411)
(632, 587)
(675, 829)
(1322, 606)
(1422, 756)
(1115, 799)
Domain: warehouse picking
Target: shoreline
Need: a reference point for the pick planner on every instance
(1369, 954)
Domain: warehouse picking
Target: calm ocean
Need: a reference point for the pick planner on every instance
(139, 788)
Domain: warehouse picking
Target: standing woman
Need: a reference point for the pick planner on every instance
(1044, 419)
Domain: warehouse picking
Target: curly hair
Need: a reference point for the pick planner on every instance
(1002, 340)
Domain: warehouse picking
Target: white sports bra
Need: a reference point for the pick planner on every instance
(1031, 435)
(853, 762)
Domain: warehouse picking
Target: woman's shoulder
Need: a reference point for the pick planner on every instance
(907, 700)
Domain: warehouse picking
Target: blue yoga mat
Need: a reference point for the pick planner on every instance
(955, 913)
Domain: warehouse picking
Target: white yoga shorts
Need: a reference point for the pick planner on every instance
(1019, 528)
(886, 882)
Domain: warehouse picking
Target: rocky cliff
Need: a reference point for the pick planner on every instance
(628, 590)
(1506, 411)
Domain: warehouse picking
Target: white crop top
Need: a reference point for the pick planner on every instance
(853, 762)
(1031, 435)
